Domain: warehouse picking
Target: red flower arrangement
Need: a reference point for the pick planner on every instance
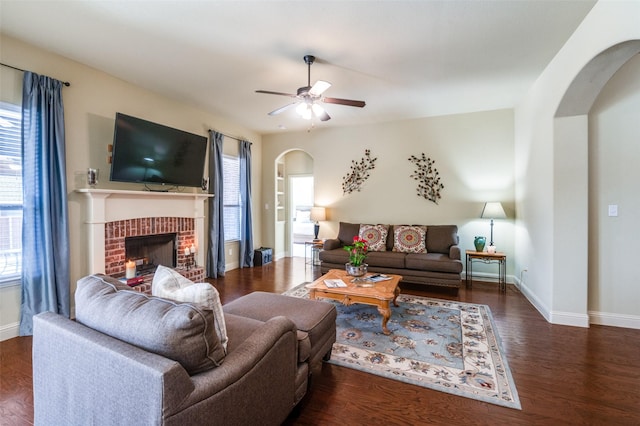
(357, 251)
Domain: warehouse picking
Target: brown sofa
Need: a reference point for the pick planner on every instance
(440, 265)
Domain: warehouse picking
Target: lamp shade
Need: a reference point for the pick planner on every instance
(493, 210)
(318, 214)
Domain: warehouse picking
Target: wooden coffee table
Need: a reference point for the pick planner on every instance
(380, 294)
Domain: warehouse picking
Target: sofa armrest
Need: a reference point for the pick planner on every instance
(254, 384)
(332, 243)
(81, 376)
(454, 252)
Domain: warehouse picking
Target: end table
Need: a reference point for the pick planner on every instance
(485, 257)
(314, 247)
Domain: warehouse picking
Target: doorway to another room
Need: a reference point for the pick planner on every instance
(300, 223)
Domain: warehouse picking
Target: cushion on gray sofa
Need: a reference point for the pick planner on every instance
(182, 332)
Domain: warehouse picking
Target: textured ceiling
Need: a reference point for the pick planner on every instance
(406, 59)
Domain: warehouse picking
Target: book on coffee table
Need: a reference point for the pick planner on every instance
(333, 283)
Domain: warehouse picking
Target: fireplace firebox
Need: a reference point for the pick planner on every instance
(149, 251)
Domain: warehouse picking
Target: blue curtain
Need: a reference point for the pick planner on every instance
(45, 228)
(215, 255)
(246, 224)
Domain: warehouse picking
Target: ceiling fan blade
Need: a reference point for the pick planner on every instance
(319, 87)
(324, 117)
(348, 102)
(269, 92)
(282, 109)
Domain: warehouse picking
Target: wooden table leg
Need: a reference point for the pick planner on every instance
(385, 311)
(396, 293)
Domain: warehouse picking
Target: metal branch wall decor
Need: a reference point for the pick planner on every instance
(359, 173)
(429, 185)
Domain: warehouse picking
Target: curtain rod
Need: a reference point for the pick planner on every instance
(232, 137)
(66, 83)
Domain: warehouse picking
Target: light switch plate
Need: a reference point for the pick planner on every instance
(613, 210)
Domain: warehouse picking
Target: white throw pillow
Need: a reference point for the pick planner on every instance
(170, 284)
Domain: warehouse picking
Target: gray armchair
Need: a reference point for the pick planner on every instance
(106, 368)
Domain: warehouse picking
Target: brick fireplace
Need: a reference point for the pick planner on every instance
(118, 231)
(113, 215)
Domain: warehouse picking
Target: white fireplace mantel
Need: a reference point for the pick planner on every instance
(108, 205)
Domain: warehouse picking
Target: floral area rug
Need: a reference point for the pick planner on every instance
(443, 345)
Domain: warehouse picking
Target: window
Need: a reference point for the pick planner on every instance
(10, 192)
(231, 198)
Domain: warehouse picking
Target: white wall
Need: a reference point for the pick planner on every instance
(90, 106)
(543, 242)
(473, 153)
(614, 153)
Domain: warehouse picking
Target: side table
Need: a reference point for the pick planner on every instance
(314, 248)
(485, 257)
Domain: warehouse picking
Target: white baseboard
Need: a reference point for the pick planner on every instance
(614, 320)
(9, 331)
(553, 317)
(231, 265)
(569, 318)
(537, 303)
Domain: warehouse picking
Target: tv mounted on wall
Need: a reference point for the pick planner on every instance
(150, 153)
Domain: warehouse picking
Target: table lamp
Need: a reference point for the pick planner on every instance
(492, 211)
(317, 214)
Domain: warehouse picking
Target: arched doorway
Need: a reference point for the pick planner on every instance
(574, 263)
(289, 209)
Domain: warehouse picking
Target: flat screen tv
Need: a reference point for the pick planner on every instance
(150, 153)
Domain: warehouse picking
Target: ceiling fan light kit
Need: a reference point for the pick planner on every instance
(308, 97)
(308, 111)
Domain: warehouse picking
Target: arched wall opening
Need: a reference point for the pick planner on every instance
(575, 245)
(289, 163)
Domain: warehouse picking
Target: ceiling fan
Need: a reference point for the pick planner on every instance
(308, 97)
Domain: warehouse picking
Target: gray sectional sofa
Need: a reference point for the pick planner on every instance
(130, 358)
(439, 265)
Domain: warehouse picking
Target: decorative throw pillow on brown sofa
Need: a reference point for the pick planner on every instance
(409, 238)
(376, 236)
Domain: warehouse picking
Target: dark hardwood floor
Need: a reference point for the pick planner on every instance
(564, 375)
